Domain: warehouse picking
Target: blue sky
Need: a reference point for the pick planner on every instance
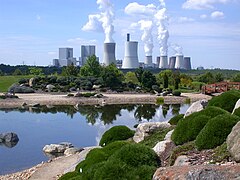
(32, 30)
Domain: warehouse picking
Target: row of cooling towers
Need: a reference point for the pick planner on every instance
(130, 60)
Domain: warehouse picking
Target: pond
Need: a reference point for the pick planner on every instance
(83, 127)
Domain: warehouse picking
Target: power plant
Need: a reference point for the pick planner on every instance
(163, 62)
(109, 54)
(148, 61)
(130, 60)
(179, 62)
(172, 62)
(187, 63)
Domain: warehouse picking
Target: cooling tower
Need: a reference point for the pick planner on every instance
(187, 63)
(163, 62)
(130, 60)
(157, 62)
(109, 54)
(148, 61)
(179, 62)
(172, 62)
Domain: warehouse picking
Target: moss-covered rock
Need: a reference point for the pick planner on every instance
(116, 133)
(226, 100)
(216, 131)
(174, 120)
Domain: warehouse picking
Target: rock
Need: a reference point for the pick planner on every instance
(182, 161)
(96, 86)
(163, 149)
(237, 105)
(34, 105)
(20, 89)
(196, 107)
(8, 137)
(31, 82)
(233, 142)
(72, 151)
(200, 172)
(168, 135)
(49, 87)
(24, 104)
(57, 148)
(145, 129)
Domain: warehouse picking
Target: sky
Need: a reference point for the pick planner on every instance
(31, 31)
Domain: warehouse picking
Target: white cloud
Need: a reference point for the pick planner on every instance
(138, 9)
(93, 24)
(217, 15)
(203, 16)
(185, 19)
(203, 4)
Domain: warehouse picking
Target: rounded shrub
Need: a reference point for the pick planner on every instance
(176, 93)
(216, 131)
(174, 120)
(188, 128)
(212, 111)
(226, 100)
(116, 133)
(237, 112)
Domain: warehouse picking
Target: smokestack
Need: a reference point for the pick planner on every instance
(163, 62)
(187, 63)
(130, 60)
(128, 37)
(172, 62)
(109, 54)
(148, 61)
(179, 62)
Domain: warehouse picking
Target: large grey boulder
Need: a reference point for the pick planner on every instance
(233, 142)
(8, 137)
(145, 129)
(57, 148)
(163, 149)
(20, 89)
(237, 105)
(196, 107)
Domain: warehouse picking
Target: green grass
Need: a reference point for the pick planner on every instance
(7, 81)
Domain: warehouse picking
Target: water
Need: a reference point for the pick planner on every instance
(83, 127)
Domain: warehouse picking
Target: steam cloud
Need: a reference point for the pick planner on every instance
(102, 21)
(177, 49)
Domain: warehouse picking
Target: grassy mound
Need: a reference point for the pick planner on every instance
(116, 133)
(216, 131)
(226, 100)
(188, 128)
(237, 112)
(174, 120)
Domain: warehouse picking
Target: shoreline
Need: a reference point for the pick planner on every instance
(63, 99)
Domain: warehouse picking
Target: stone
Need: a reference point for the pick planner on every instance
(49, 87)
(71, 151)
(8, 137)
(196, 107)
(20, 89)
(205, 174)
(163, 149)
(182, 161)
(237, 105)
(57, 148)
(168, 136)
(233, 142)
(31, 82)
(145, 129)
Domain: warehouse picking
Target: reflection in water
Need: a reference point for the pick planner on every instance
(8, 144)
(108, 113)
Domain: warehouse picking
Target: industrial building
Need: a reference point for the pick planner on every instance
(130, 60)
(65, 58)
(109, 54)
(86, 51)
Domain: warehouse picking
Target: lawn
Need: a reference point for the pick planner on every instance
(7, 81)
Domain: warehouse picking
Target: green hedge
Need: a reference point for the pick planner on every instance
(216, 131)
(237, 112)
(174, 120)
(116, 133)
(176, 93)
(226, 100)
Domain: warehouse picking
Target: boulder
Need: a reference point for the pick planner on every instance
(203, 172)
(233, 142)
(145, 129)
(20, 89)
(57, 148)
(49, 87)
(8, 137)
(196, 107)
(237, 105)
(31, 82)
(71, 151)
(163, 149)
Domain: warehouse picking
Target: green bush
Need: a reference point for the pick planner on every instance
(116, 133)
(160, 100)
(226, 100)
(174, 120)
(212, 111)
(176, 93)
(188, 128)
(237, 112)
(216, 131)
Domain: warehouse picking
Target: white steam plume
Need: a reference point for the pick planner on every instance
(163, 34)
(177, 49)
(102, 21)
(147, 38)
